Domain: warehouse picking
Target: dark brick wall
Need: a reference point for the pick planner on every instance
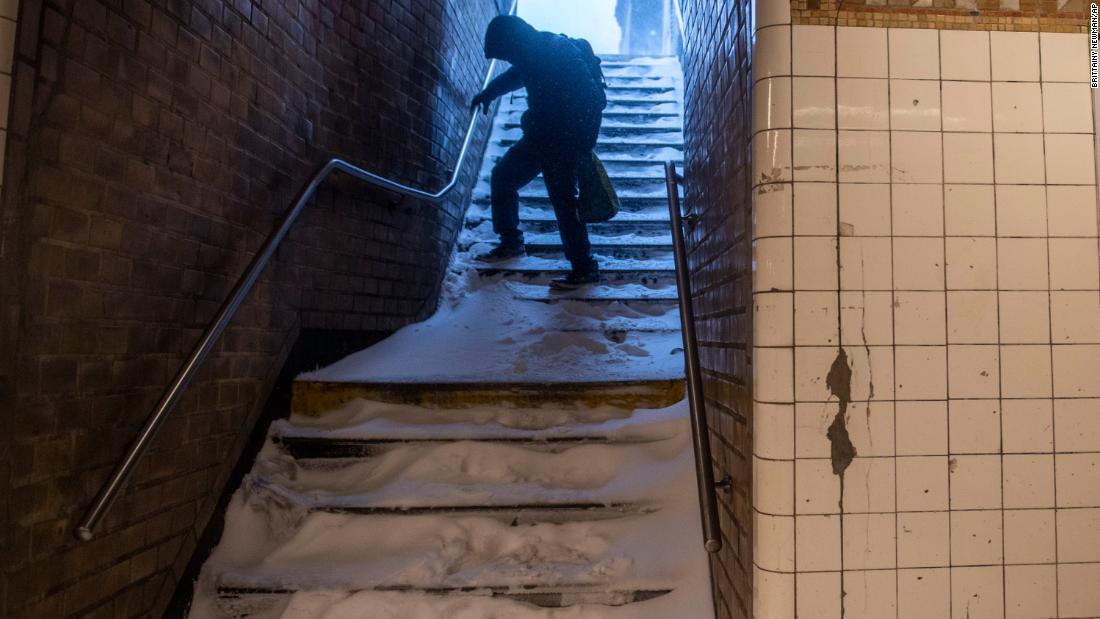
(717, 86)
(153, 143)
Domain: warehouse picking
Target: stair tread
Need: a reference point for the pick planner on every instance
(607, 142)
(543, 596)
(597, 239)
(536, 215)
(630, 195)
(613, 88)
(629, 292)
(624, 99)
(625, 202)
(590, 511)
(564, 267)
(618, 127)
(549, 225)
(503, 387)
(303, 447)
(660, 118)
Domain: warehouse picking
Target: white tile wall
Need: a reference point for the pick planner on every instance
(931, 208)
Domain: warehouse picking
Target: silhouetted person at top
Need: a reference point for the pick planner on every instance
(565, 100)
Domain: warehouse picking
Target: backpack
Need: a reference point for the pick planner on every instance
(595, 72)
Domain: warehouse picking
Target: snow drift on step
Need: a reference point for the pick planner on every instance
(337, 561)
(481, 330)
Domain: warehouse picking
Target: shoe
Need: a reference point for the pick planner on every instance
(503, 252)
(576, 279)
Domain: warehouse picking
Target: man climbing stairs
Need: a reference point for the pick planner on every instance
(523, 453)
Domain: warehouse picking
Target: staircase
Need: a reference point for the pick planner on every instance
(524, 453)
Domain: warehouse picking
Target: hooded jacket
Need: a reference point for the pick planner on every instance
(565, 99)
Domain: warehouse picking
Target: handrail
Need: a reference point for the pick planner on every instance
(85, 531)
(700, 432)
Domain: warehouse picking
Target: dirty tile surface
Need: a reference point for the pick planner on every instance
(938, 322)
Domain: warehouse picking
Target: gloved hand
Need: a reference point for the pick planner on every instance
(482, 99)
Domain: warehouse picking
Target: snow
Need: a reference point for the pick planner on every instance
(296, 527)
(274, 538)
(482, 330)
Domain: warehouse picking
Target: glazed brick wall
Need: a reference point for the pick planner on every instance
(717, 134)
(153, 144)
(1010, 15)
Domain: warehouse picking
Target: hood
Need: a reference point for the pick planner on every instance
(507, 37)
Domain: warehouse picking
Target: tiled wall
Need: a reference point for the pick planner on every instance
(927, 324)
(717, 135)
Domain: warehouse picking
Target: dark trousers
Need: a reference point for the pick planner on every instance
(558, 164)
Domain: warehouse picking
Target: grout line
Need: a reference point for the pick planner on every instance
(921, 568)
(893, 323)
(839, 317)
(1050, 348)
(794, 336)
(940, 455)
(1000, 365)
(967, 510)
(947, 332)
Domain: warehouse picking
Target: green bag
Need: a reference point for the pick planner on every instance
(598, 200)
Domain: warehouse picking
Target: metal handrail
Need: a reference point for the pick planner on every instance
(85, 531)
(700, 432)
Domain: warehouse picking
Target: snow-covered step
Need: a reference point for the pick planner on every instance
(616, 77)
(480, 211)
(539, 270)
(634, 91)
(244, 602)
(549, 245)
(320, 550)
(317, 393)
(602, 251)
(664, 139)
(627, 204)
(646, 61)
(654, 242)
(514, 514)
(634, 148)
(659, 300)
(315, 447)
(628, 247)
(616, 227)
(601, 293)
(616, 103)
(628, 189)
(618, 129)
(620, 165)
(611, 118)
(626, 186)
